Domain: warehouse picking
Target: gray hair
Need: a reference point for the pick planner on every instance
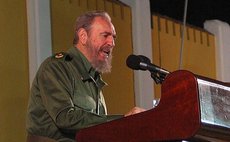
(86, 20)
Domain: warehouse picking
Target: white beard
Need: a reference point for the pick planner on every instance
(100, 66)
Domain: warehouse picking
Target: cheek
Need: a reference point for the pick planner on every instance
(95, 44)
(98, 41)
(98, 47)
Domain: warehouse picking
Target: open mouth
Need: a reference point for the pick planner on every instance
(106, 53)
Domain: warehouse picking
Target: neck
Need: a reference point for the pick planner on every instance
(83, 50)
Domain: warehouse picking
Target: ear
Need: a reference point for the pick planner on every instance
(83, 36)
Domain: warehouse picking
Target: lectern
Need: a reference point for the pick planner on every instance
(191, 108)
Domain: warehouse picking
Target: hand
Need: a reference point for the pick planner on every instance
(134, 110)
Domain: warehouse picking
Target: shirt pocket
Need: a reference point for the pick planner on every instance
(85, 102)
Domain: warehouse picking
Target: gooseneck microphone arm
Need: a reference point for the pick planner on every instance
(140, 62)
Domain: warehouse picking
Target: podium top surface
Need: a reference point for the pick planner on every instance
(214, 103)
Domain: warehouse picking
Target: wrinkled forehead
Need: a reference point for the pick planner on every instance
(103, 24)
(113, 28)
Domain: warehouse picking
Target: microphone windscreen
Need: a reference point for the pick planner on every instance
(144, 59)
(133, 62)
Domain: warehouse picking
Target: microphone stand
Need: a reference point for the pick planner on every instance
(158, 76)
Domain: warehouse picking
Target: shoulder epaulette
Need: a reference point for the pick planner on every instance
(62, 55)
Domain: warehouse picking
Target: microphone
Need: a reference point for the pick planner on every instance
(140, 62)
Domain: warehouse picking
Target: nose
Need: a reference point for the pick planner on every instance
(111, 41)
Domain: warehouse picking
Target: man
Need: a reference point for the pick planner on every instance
(66, 93)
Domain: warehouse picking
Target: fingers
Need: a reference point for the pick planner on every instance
(134, 110)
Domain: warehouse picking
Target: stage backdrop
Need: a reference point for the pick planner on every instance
(14, 72)
(198, 54)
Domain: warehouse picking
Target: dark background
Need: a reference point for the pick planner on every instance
(197, 11)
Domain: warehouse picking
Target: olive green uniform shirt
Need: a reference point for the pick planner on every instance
(66, 97)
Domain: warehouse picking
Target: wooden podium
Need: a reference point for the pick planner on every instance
(191, 108)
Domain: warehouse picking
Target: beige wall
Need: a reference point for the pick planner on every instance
(14, 83)
(119, 94)
(198, 53)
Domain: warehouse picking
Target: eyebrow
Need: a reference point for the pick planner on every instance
(108, 33)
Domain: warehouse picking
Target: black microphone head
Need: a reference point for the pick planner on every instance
(144, 59)
(133, 62)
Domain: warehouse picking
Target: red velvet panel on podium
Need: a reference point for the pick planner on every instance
(180, 115)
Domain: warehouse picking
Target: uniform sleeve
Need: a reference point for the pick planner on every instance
(56, 86)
